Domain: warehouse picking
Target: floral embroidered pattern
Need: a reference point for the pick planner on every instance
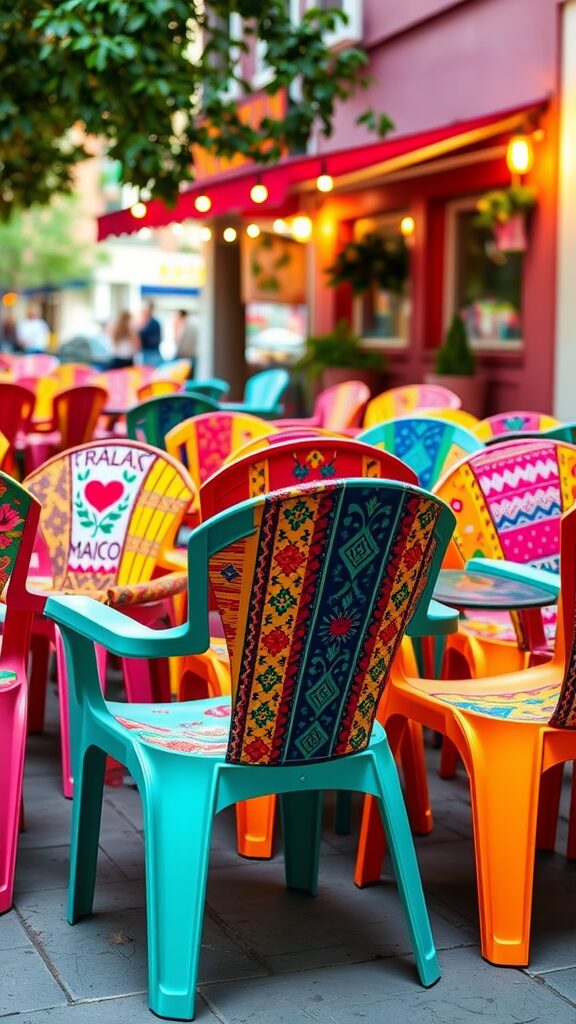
(202, 735)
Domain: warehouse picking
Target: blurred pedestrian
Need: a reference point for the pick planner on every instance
(33, 333)
(186, 337)
(125, 341)
(150, 336)
(8, 333)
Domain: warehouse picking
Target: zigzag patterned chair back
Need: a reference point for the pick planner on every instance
(410, 398)
(300, 460)
(150, 421)
(504, 423)
(203, 443)
(508, 501)
(315, 597)
(109, 508)
(428, 445)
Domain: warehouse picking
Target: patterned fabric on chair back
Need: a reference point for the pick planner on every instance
(203, 443)
(511, 423)
(407, 399)
(303, 460)
(109, 509)
(565, 653)
(281, 435)
(76, 413)
(428, 445)
(19, 514)
(508, 501)
(341, 406)
(314, 603)
(152, 420)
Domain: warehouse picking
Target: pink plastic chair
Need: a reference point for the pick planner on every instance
(337, 408)
(36, 365)
(503, 423)
(409, 399)
(111, 511)
(19, 514)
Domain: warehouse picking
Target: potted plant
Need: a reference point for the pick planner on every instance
(503, 212)
(337, 356)
(456, 368)
(374, 261)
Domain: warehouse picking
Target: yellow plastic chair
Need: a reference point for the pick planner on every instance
(203, 443)
(458, 416)
(411, 398)
(509, 729)
(504, 423)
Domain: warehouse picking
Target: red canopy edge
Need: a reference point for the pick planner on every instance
(230, 193)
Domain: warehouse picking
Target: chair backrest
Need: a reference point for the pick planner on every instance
(152, 420)
(300, 460)
(34, 364)
(430, 446)
(410, 398)
(503, 423)
(72, 375)
(459, 416)
(177, 370)
(154, 388)
(76, 413)
(508, 501)
(19, 515)
(203, 443)
(214, 387)
(563, 432)
(122, 385)
(16, 405)
(264, 390)
(4, 448)
(282, 435)
(315, 587)
(341, 406)
(109, 510)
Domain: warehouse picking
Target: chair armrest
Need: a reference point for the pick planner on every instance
(517, 573)
(118, 633)
(436, 620)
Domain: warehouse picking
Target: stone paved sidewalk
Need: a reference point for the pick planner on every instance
(270, 956)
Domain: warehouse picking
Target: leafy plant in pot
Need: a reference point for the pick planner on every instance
(338, 356)
(504, 212)
(456, 368)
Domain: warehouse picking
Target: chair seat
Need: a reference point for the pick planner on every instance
(534, 705)
(198, 727)
(7, 678)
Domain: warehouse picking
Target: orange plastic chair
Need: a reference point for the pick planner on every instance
(509, 730)
(296, 461)
(157, 387)
(337, 408)
(111, 510)
(412, 398)
(503, 423)
(203, 443)
(60, 378)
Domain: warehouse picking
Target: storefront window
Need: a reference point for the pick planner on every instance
(381, 314)
(486, 283)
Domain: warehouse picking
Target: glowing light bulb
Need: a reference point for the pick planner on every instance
(145, 234)
(302, 228)
(229, 234)
(407, 225)
(139, 210)
(203, 203)
(259, 193)
(280, 226)
(519, 155)
(252, 231)
(324, 182)
(205, 234)
(177, 229)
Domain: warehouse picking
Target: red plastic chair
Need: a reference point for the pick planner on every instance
(16, 405)
(75, 415)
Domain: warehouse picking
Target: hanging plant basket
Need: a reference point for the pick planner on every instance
(504, 213)
(511, 235)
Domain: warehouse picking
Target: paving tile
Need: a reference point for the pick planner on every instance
(12, 932)
(25, 981)
(562, 982)
(48, 867)
(120, 1010)
(106, 954)
(48, 822)
(469, 990)
(293, 930)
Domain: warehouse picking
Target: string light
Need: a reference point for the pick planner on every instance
(301, 228)
(407, 225)
(252, 231)
(258, 193)
(280, 226)
(324, 182)
(203, 203)
(229, 234)
(519, 154)
(139, 210)
(205, 233)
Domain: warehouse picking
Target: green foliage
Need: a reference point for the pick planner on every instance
(499, 206)
(338, 348)
(373, 260)
(152, 78)
(41, 247)
(455, 358)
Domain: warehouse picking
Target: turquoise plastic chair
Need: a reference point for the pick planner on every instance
(152, 420)
(428, 445)
(316, 586)
(262, 394)
(563, 432)
(213, 387)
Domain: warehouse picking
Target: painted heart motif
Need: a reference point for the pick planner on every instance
(101, 496)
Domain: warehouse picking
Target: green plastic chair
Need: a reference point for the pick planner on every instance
(262, 394)
(152, 420)
(213, 387)
(316, 586)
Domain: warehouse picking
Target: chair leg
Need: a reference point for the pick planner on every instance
(506, 762)
(571, 843)
(415, 779)
(38, 681)
(255, 827)
(301, 815)
(343, 814)
(66, 731)
(86, 815)
(395, 819)
(448, 759)
(177, 843)
(550, 793)
(13, 732)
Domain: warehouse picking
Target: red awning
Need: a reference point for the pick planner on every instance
(230, 193)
